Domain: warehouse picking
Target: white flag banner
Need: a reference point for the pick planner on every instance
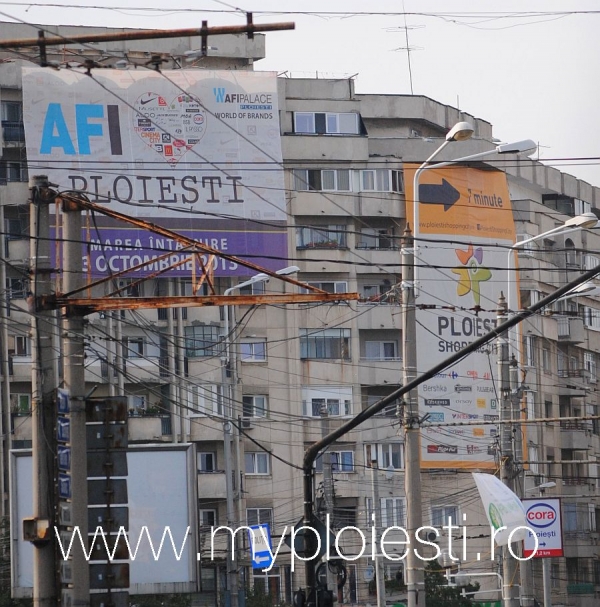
(503, 508)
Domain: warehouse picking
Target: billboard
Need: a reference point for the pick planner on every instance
(543, 517)
(156, 474)
(465, 227)
(196, 151)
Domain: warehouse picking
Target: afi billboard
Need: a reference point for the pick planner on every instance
(197, 151)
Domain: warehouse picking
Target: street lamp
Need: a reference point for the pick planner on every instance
(412, 478)
(228, 376)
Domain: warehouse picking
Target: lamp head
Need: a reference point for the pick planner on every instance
(460, 132)
(583, 221)
(288, 270)
(527, 146)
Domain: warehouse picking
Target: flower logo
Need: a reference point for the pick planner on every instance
(472, 273)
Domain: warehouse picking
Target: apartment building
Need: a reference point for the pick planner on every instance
(292, 373)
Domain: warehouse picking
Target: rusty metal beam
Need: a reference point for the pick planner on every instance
(85, 306)
(45, 41)
(184, 240)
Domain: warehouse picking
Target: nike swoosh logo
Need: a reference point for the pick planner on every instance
(147, 101)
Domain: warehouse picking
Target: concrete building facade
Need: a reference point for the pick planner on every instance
(343, 160)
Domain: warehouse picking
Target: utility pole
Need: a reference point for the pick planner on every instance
(328, 492)
(510, 567)
(44, 384)
(5, 413)
(74, 379)
(379, 574)
(415, 574)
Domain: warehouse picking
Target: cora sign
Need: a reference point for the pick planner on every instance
(544, 519)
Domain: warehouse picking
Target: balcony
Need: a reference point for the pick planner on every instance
(18, 251)
(575, 434)
(570, 330)
(145, 428)
(211, 485)
(585, 588)
(573, 382)
(380, 372)
(13, 133)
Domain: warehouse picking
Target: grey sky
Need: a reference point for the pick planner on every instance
(531, 76)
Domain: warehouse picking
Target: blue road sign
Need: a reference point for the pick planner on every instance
(64, 486)
(260, 546)
(64, 458)
(62, 400)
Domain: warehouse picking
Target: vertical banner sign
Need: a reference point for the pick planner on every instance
(465, 227)
(544, 519)
(196, 151)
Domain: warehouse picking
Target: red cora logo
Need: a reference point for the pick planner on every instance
(541, 515)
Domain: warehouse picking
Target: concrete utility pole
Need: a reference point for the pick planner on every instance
(44, 384)
(328, 492)
(379, 573)
(510, 565)
(74, 378)
(5, 415)
(415, 574)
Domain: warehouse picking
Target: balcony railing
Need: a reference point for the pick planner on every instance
(13, 131)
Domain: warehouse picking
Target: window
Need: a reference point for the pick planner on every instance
(326, 237)
(253, 351)
(440, 515)
(254, 406)
(388, 455)
(335, 286)
(341, 461)
(383, 293)
(376, 238)
(17, 288)
(20, 404)
(206, 399)
(268, 584)
(133, 347)
(11, 111)
(136, 404)
(327, 180)
(589, 361)
(22, 345)
(546, 360)
(259, 516)
(207, 518)
(381, 350)
(337, 399)
(12, 171)
(529, 350)
(590, 262)
(202, 340)
(322, 123)
(591, 318)
(131, 287)
(256, 288)
(207, 461)
(393, 511)
(527, 249)
(332, 344)
(256, 462)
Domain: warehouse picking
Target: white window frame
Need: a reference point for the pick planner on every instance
(381, 344)
(392, 512)
(528, 249)
(205, 399)
(591, 365)
(252, 407)
(300, 117)
(263, 516)
(22, 346)
(444, 511)
(212, 512)
(339, 461)
(591, 318)
(202, 460)
(529, 350)
(385, 454)
(314, 396)
(137, 403)
(254, 458)
(330, 286)
(253, 350)
(324, 344)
